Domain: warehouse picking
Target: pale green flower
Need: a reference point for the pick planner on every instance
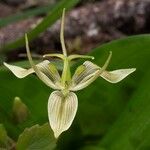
(63, 102)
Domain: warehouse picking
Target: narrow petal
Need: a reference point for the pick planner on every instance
(18, 71)
(22, 72)
(116, 75)
(45, 66)
(61, 111)
(38, 71)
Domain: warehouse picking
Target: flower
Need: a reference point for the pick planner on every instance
(63, 102)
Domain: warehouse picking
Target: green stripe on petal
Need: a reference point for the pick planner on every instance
(85, 82)
(38, 71)
(50, 71)
(61, 111)
(116, 75)
(83, 71)
(86, 74)
(45, 67)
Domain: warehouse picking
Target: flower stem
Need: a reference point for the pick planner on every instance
(66, 74)
(62, 34)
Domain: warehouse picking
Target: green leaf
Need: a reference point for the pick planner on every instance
(132, 130)
(36, 137)
(103, 102)
(36, 101)
(100, 104)
(53, 15)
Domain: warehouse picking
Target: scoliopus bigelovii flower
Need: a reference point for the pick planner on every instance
(63, 102)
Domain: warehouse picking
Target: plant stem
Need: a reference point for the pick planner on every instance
(62, 34)
(66, 74)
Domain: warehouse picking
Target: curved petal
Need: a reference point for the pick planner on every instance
(116, 75)
(84, 73)
(18, 71)
(50, 71)
(42, 71)
(22, 72)
(61, 111)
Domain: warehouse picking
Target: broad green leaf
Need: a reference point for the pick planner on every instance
(36, 101)
(11, 87)
(53, 15)
(36, 137)
(132, 130)
(102, 102)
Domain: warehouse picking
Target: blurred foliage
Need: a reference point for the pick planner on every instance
(110, 116)
(37, 137)
(20, 111)
(52, 16)
(5, 142)
(25, 14)
(3, 136)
